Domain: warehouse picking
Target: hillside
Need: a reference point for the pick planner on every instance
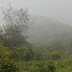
(46, 29)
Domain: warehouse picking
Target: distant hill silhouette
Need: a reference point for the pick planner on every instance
(45, 29)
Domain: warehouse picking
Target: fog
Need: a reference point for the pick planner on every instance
(35, 35)
(60, 10)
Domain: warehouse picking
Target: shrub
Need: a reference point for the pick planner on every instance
(38, 64)
(34, 69)
(4, 52)
(50, 66)
(38, 67)
(7, 65)
(43, 69)
(56, 55)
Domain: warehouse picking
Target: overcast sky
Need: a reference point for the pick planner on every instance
(56, 9)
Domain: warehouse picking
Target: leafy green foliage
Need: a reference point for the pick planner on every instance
(56, 55)
(4, 52)
(34, 69)
(7, 65)
(38, 56)
(42, 67)
(50, 66)
(23, 53)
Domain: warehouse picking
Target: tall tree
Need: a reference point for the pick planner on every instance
(13, 34)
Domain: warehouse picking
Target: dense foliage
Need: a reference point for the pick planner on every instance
(6, 64)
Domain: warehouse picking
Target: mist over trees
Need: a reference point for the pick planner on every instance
(19, 55)
(13, 39)
(13, 33)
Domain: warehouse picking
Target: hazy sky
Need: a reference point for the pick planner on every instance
(56, 9)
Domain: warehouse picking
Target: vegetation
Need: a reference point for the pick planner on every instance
(13, 33)
(18, 55)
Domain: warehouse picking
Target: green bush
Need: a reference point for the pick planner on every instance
(34, 69)
(23, 53)
(43, 69)
(38, 67)
(50, 66)
(38, 64)
(56, 55)
(7, 65)
(4, 52)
